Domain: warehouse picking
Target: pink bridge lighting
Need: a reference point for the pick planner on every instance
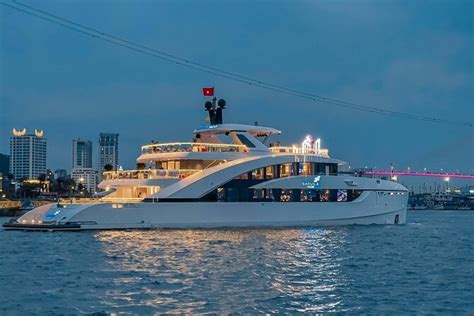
(420, 174)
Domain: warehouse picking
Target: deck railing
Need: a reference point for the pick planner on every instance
(149, 174)
(298, 150)
(192, 147)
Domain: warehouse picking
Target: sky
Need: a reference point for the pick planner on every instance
(409, 56)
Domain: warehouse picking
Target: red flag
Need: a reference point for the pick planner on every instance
(208, 92)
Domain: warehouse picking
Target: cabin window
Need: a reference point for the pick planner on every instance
(258, 174)
(306, 168)
(244, 176)
(324, 197)
(221, 194)
(173, 165)
(309, 195)
(321, 168)
(285, 195)
(286, 170)
(341, 195)
(238, 191)
(269, 172)
(259, 194)
(353, 194)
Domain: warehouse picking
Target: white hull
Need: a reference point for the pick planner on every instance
(368, 209)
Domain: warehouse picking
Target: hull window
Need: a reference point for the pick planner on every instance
(239, 192)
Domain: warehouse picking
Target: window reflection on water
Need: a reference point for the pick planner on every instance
(246, 270)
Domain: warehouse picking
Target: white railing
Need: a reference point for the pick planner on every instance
(298, 150)
(149, 174)
(192, 147)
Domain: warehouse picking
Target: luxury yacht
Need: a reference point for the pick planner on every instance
(230, 175)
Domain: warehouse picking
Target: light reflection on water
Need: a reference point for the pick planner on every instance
(225, 270)
(425, 266)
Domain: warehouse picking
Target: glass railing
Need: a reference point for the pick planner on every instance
(298, 150)
(192, 147)
(149, 174)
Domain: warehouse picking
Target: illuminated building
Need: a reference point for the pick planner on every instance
(81, 153)
(85, 178)
(27, 154)
(108, 151)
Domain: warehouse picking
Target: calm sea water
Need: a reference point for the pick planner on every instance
(424, 266)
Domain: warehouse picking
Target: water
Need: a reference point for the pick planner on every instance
(424, 266)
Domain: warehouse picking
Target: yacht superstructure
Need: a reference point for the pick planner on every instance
(230, 175)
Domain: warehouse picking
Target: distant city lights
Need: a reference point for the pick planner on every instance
(421, 174)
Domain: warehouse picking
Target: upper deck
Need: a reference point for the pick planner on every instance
(195, 147)
(214, 144)
(228, 142)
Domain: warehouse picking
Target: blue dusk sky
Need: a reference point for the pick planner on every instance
(409, 56)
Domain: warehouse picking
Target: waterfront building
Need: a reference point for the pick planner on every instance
(81, 153)
(4, 164)
(27, 154)
(85, 178)
(108, 151)
(60, 174)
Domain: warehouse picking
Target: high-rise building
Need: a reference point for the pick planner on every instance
(27, 154)
(85, 178)
(4, 164)
(108, 151)
(81, 153)
(4, 171)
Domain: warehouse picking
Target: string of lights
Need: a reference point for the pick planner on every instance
(118, 41)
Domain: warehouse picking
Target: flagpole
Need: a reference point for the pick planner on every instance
(214, 99)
